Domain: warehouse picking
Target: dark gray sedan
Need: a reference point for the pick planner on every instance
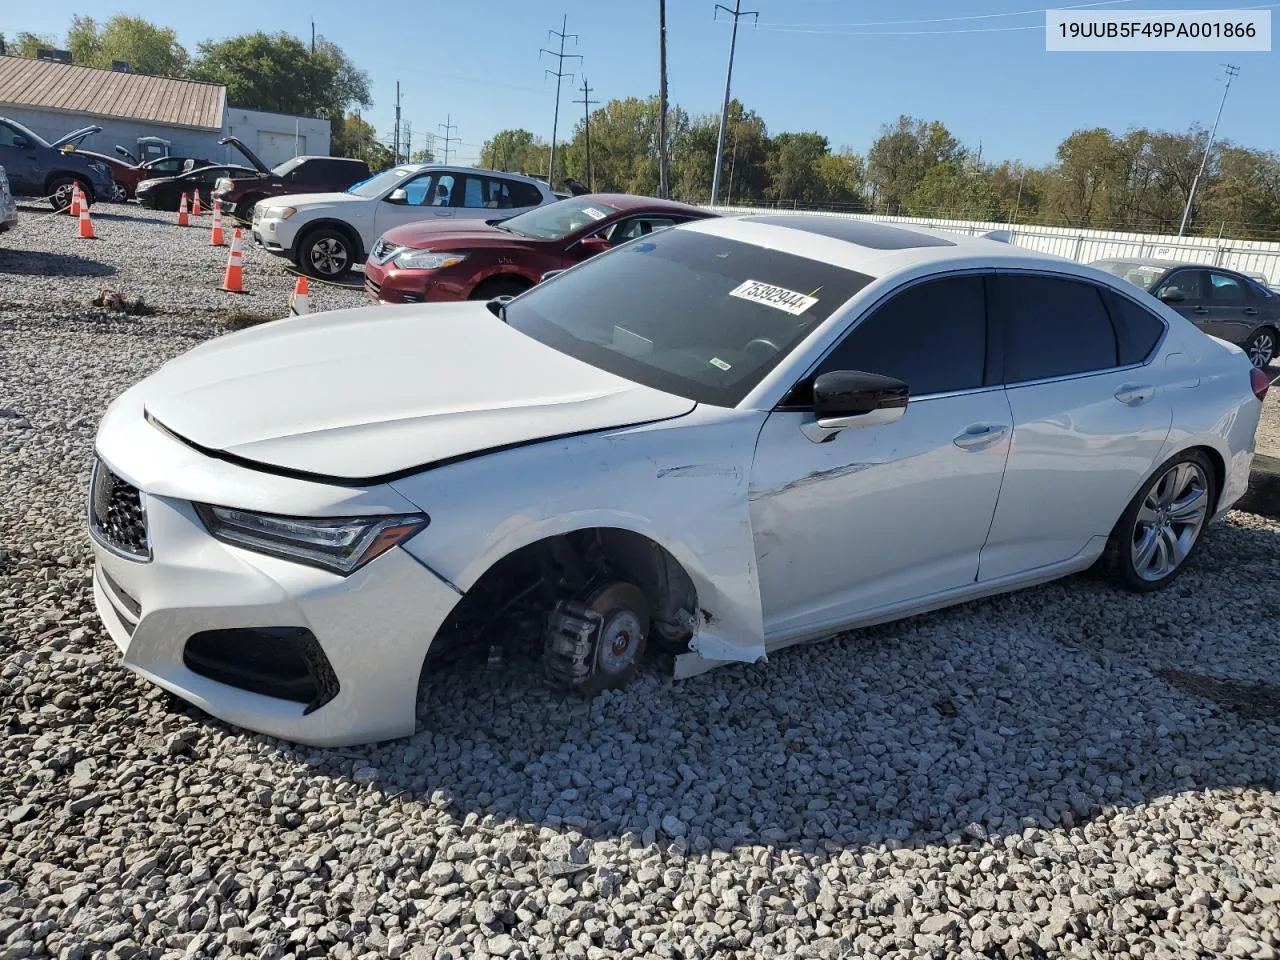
(1223, 303)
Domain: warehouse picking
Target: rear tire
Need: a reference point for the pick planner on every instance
(1261, 347)
(597, 644)
(1161, 529)
(244, 209)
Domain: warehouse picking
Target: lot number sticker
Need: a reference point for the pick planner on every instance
(593, 213)
(780, 298)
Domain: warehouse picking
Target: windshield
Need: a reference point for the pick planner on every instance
(380, 183)
(558, 219)
(281, 169)
(1142, 275)
(29, 133)
(686, 312)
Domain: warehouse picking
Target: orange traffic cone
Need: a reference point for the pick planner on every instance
(215, 235)
(75, 200)
(182, 212)
(233, 281)
(299, 301)
(195, 210)
(86, 225)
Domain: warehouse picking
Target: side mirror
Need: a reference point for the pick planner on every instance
(1173, 295)
(593, 245)
(22, 143)
(398, 195)
(851, 398)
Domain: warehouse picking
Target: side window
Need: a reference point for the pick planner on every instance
(475, 192)
(420, 191)
(638, 227)
(933, 336)
(444, 191)
(9, 137)
(1225, 291)
(308, 174)
(1053, 327)
(523, 194)
(1189, 283)
(167, 167)
(1137, 329)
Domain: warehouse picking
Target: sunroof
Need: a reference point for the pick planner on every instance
(864, 233)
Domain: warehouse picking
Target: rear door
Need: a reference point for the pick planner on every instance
(1089, 418)
(1233, 309)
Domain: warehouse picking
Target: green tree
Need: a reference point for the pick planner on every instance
(146, 47)
(508, 150)
(903, 153)
(1085, 172)
(352, 136)
(27, 44)
(793, 167)
(956, 189)
(841, 178)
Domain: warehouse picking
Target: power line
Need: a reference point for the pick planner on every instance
(973, 16)
(586, 102)
(1232, 72)
(559, 74)
(447, 126)
(737, 13)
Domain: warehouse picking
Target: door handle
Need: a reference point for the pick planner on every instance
(1135, 394)
(981, 435)
(1200, 310)
(1250, 311)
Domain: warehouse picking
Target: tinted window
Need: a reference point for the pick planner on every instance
(690, 313)
(625, 230)
(10, 137)
(1052, 327)
(877, 236)
(1190, 283)
(933, 336)
(523, 194)
(1225, 290)
(169, 165)
(1137, 329)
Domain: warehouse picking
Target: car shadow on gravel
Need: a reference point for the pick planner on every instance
(35, 263)
(945, 729)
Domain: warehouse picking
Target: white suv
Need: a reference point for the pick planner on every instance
(326, 234)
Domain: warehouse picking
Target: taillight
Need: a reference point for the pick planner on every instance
(1259, 382)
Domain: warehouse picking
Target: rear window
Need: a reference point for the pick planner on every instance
(1137, 330)
(693, 314)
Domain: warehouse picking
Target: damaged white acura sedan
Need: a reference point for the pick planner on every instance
(723, 438)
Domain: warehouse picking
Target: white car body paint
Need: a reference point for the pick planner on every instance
(439, 407)
(370, 217)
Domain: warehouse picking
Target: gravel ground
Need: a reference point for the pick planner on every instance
(1065, 772)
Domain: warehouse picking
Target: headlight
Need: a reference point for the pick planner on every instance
(222, 185)
(342, 544)
(145, 185)
(427, 260)
(279, 213)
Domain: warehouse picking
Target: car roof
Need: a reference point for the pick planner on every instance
(630, 201)
(870, 248)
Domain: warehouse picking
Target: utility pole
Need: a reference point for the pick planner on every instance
(448, 126)
(408, 141)
(737, 13)
(559, 74)
(662, 99)
(313, 36)
(1232, 72)
(586, 102)
(395, 148)
(1017, 202)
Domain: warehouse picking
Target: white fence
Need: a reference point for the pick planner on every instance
(1085, 246)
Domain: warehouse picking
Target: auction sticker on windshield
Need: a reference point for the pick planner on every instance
(780, 298)
(593, 213)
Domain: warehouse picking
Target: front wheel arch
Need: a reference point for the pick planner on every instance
(307, 233)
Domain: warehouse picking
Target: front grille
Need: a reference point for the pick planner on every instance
(382, 250)
(117, 517)
(372, 287)
(283, 662)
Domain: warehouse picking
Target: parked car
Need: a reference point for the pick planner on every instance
(326, 234)
(126, 176)
(476, 259)
(729, 436)
(165, 193)
(1223, 303)
(8, 209)
(38, 168)
(241, 194)
(1261, 278)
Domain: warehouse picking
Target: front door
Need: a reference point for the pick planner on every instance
(20, 158)
(1185, 291)
(1088, 422)
(882, 515)
(425, 197)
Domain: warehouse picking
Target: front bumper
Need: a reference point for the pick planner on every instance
(372, 628)
(273, 235)
(384, 283)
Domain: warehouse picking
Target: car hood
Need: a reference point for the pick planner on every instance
(364, 394)
(432, 235)
(304, 201)
(75, 136)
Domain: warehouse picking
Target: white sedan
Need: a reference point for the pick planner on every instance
(726, 438)
(326, 234)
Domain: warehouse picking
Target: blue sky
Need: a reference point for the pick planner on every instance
(809, 65)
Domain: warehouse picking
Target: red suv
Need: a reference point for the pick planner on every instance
(479, 260)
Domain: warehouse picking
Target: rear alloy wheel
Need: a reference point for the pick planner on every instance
(325, 254)
(1163, 525)
(1261, 348)
(597, 644)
